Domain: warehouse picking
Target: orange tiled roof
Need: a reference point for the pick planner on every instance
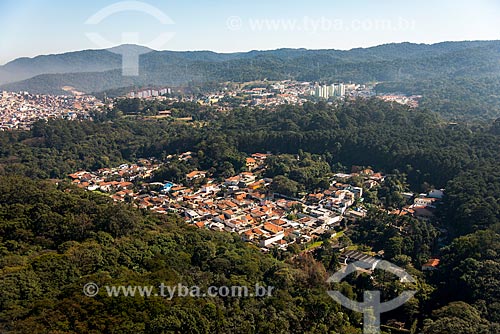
(272, 227)
(432, 263)
(194, 173)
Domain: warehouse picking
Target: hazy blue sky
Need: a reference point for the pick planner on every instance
(33, 27)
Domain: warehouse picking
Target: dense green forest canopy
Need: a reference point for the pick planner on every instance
(386, 136)
(54, 238)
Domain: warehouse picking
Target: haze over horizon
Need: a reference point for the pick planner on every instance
(236, 26)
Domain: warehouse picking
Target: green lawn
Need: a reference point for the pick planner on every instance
(339, 234)
(314, 245)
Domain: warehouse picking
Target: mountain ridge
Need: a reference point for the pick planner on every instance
(85, 60)
(446, 72)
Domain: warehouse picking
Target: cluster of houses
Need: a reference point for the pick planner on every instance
(423, 205)
(411, 101)
(242, 203)
(119, 180)
(20, 110)
(264, 93)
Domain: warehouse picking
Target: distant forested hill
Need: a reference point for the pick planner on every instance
(456, 78)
